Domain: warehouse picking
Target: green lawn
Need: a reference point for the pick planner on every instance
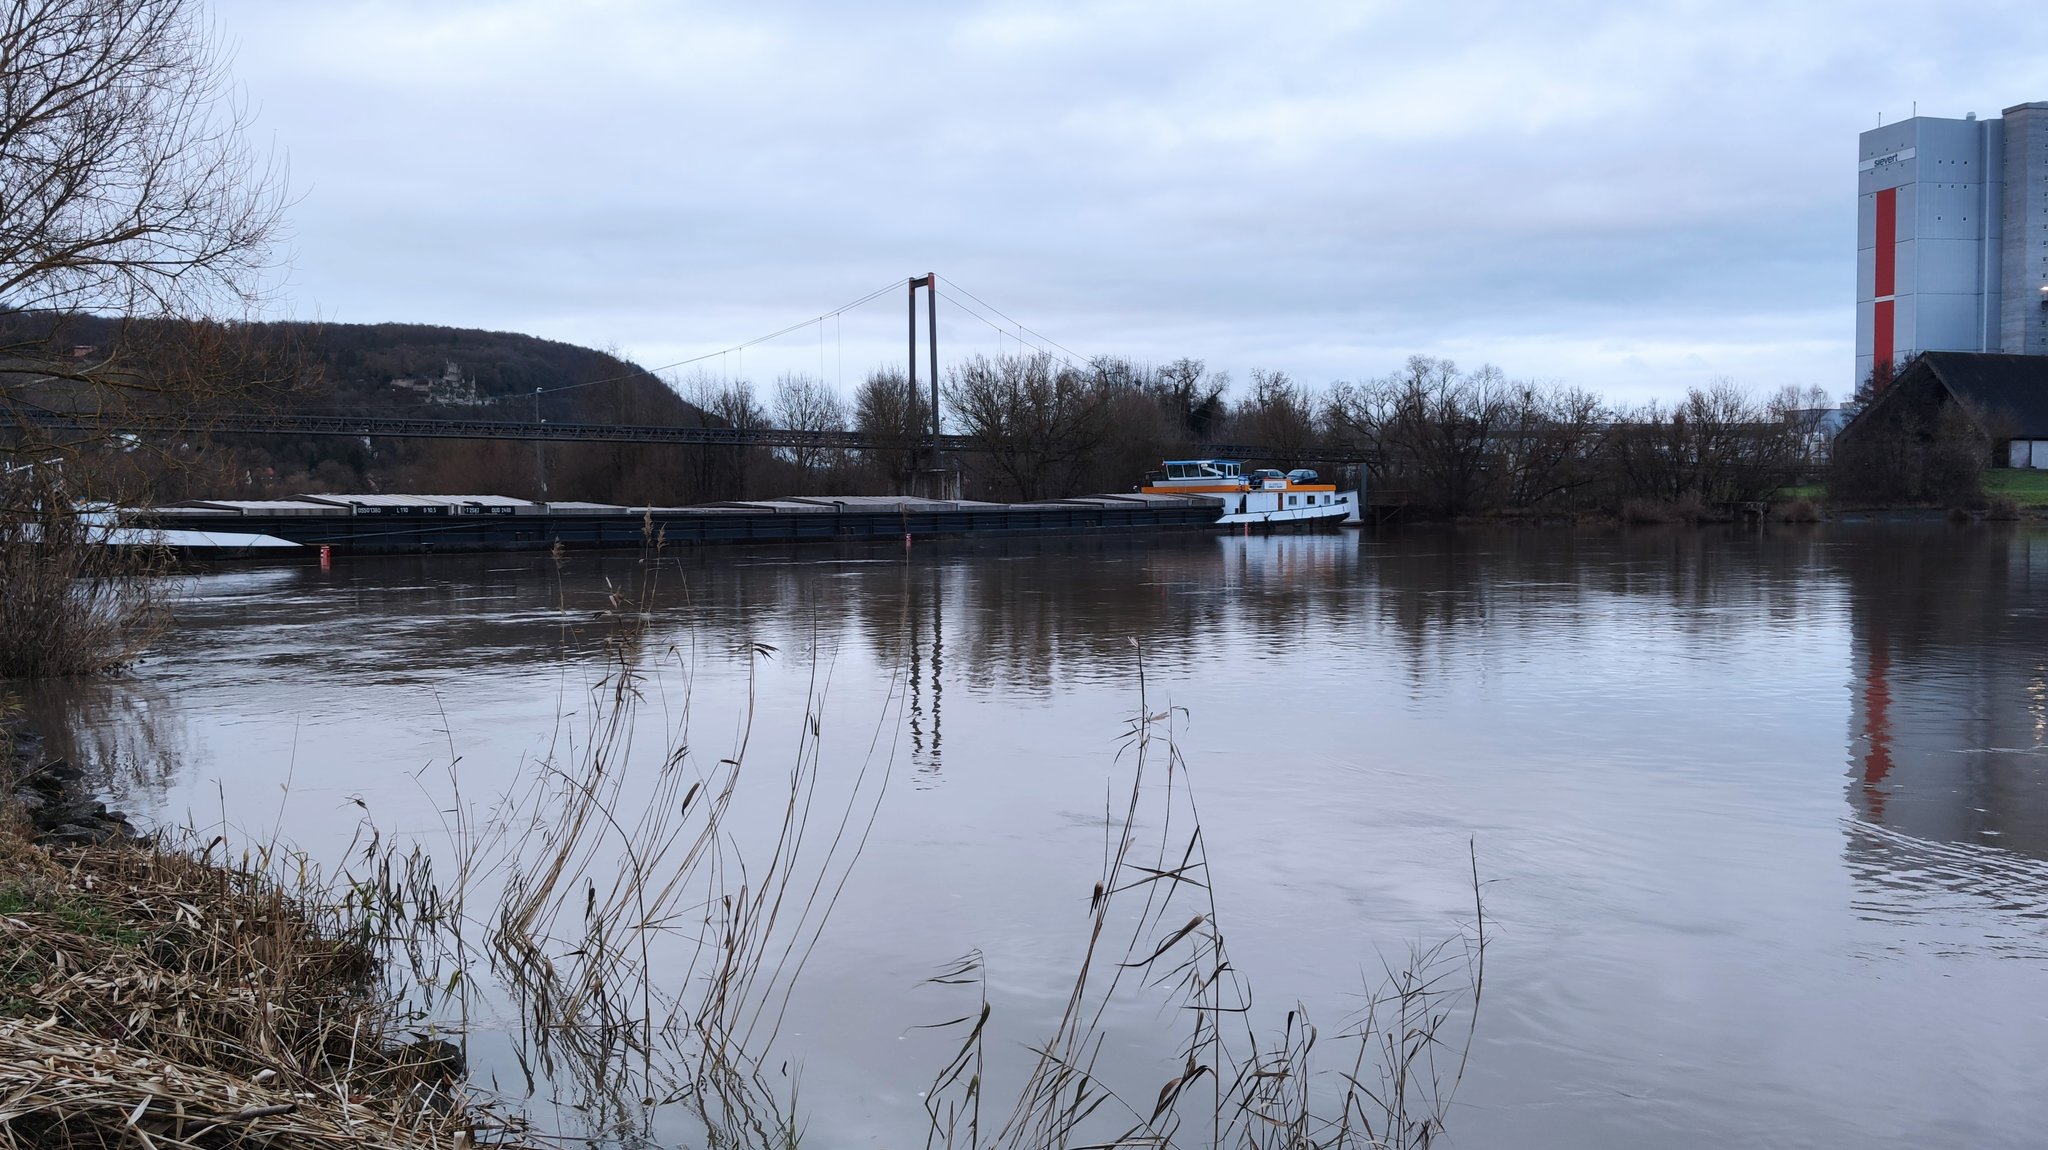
(2024, 487)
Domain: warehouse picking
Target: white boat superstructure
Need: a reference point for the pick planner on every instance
(1260, 497)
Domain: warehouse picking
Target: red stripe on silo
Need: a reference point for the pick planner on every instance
(1881, 342)
(1887, 241)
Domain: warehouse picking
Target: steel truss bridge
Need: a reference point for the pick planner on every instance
(405, 427)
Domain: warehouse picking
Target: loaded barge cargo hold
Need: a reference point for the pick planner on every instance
(415, 524)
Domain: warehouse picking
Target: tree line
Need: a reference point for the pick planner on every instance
(1449, 442)
(1441, 440)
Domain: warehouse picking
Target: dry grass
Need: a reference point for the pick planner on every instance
(150, 998)
(600, 880)
(645, 939)
(1154, 925)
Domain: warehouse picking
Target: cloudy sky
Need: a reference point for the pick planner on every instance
(1635, 197)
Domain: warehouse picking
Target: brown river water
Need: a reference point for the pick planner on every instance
(1762, 815)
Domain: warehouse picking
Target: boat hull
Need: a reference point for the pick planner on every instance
(1345, 509)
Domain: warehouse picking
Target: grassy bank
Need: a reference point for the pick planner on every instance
(2025, 487)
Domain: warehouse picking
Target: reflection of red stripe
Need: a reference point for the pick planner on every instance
(1887, 241)
(1877, 707)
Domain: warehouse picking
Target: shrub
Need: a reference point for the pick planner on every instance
(1799, 511)
(1645, 511)
(70, 602)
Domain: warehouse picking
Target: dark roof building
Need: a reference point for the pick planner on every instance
(1947, 415)
(2004, 396)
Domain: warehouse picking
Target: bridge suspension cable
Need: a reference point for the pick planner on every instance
(979, 309)
(1067, 353)
(738, 348)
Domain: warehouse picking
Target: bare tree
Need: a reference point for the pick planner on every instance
(127, 190)
(1142, 424)
(726, 403)
(806, 404)
(1547, 444)
(1035, 421)
(1438, 431)
(1716, 446)
(896, 418)
(1194, 396)
(1279, 414)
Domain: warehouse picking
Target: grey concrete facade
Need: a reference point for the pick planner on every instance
(2023, 316)
(1965, 256)
(1943, 181)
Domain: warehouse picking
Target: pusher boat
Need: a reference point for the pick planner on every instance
(1261, 497)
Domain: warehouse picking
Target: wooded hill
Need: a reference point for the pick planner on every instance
(431, 372)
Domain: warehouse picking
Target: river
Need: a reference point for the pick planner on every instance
(1761, 816)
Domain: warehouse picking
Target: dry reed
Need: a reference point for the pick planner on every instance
(1153, 923)
(151, 998)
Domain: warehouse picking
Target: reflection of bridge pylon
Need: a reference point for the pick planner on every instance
(925, 753)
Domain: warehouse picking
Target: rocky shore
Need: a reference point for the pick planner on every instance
(52, 797)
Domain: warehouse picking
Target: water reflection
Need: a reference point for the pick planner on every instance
(1715, 772)
(130, 738)
(1435, 588)
(1948, 757)
(1948, 735)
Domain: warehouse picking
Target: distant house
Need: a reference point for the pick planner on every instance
(1817, 428)
(2002, 399)
(450, 389)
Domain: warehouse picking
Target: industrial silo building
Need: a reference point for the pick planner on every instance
(1952, 238)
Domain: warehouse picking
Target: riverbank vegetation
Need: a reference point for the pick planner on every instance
(164, 997)
(69, 604)
(2025, 487)
(1448, 442)
(1440, 440)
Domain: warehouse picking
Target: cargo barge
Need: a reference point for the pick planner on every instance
(384, 524)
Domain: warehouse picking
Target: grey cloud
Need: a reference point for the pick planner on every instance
(1633, 197)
